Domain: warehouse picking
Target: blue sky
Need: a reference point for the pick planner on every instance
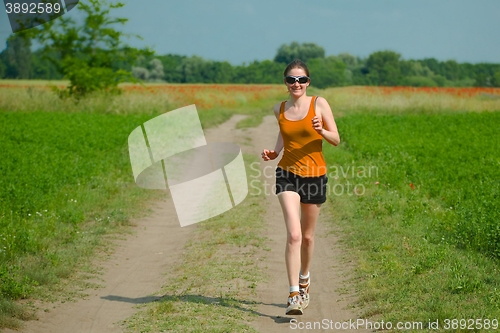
(246, 30)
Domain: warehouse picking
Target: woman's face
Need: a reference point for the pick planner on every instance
(297, 89)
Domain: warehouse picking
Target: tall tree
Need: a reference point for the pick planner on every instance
(41, 69)
(349, 60)
(287, 53)
(327, 72)
(171, 64)
(156, 72)
(192, 69)
(3, 67)
(87, 52)
(496, 78)
(384, 68)
(17, 56)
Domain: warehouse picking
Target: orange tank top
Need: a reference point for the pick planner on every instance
(303, 153)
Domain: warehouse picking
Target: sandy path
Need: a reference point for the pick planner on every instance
(135, 270)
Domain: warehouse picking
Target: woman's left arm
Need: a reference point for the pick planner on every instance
(327, 127)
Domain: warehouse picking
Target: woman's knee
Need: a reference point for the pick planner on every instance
(294, 237)
(307, 239)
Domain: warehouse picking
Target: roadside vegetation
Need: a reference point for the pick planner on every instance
(423, 224)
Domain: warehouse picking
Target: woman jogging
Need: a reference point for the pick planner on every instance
(301, 175)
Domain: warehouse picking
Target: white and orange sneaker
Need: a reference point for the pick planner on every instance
(304, 286)
(294, 306)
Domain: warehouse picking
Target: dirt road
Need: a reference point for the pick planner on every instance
(134, 271)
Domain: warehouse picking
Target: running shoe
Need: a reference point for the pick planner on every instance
(304, 285)
(294, 306)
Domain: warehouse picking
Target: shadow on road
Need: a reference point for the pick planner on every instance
(221, 301)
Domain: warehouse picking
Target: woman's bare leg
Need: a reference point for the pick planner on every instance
(290, 204)
(309, 217)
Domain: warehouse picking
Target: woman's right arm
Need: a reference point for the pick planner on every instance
(272, 154)
(268, 155)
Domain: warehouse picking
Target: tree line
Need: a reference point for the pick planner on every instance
(92, 56)
(385, 68)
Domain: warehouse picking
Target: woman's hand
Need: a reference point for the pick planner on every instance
(317, 124)
(268, 155)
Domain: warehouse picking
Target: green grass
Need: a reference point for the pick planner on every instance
(212, 288)
(67, 185)
(425, 229)
(66, 181)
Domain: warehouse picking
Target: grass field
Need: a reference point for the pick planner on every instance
(63, 187)
(425, 231)
(422, 225)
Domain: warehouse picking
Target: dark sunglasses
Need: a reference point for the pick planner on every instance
(299, 79)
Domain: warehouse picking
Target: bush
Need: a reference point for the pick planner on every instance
(419, 81)
(85, 79)
(327, 72)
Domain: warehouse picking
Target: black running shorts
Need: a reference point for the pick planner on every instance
(311, 189)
